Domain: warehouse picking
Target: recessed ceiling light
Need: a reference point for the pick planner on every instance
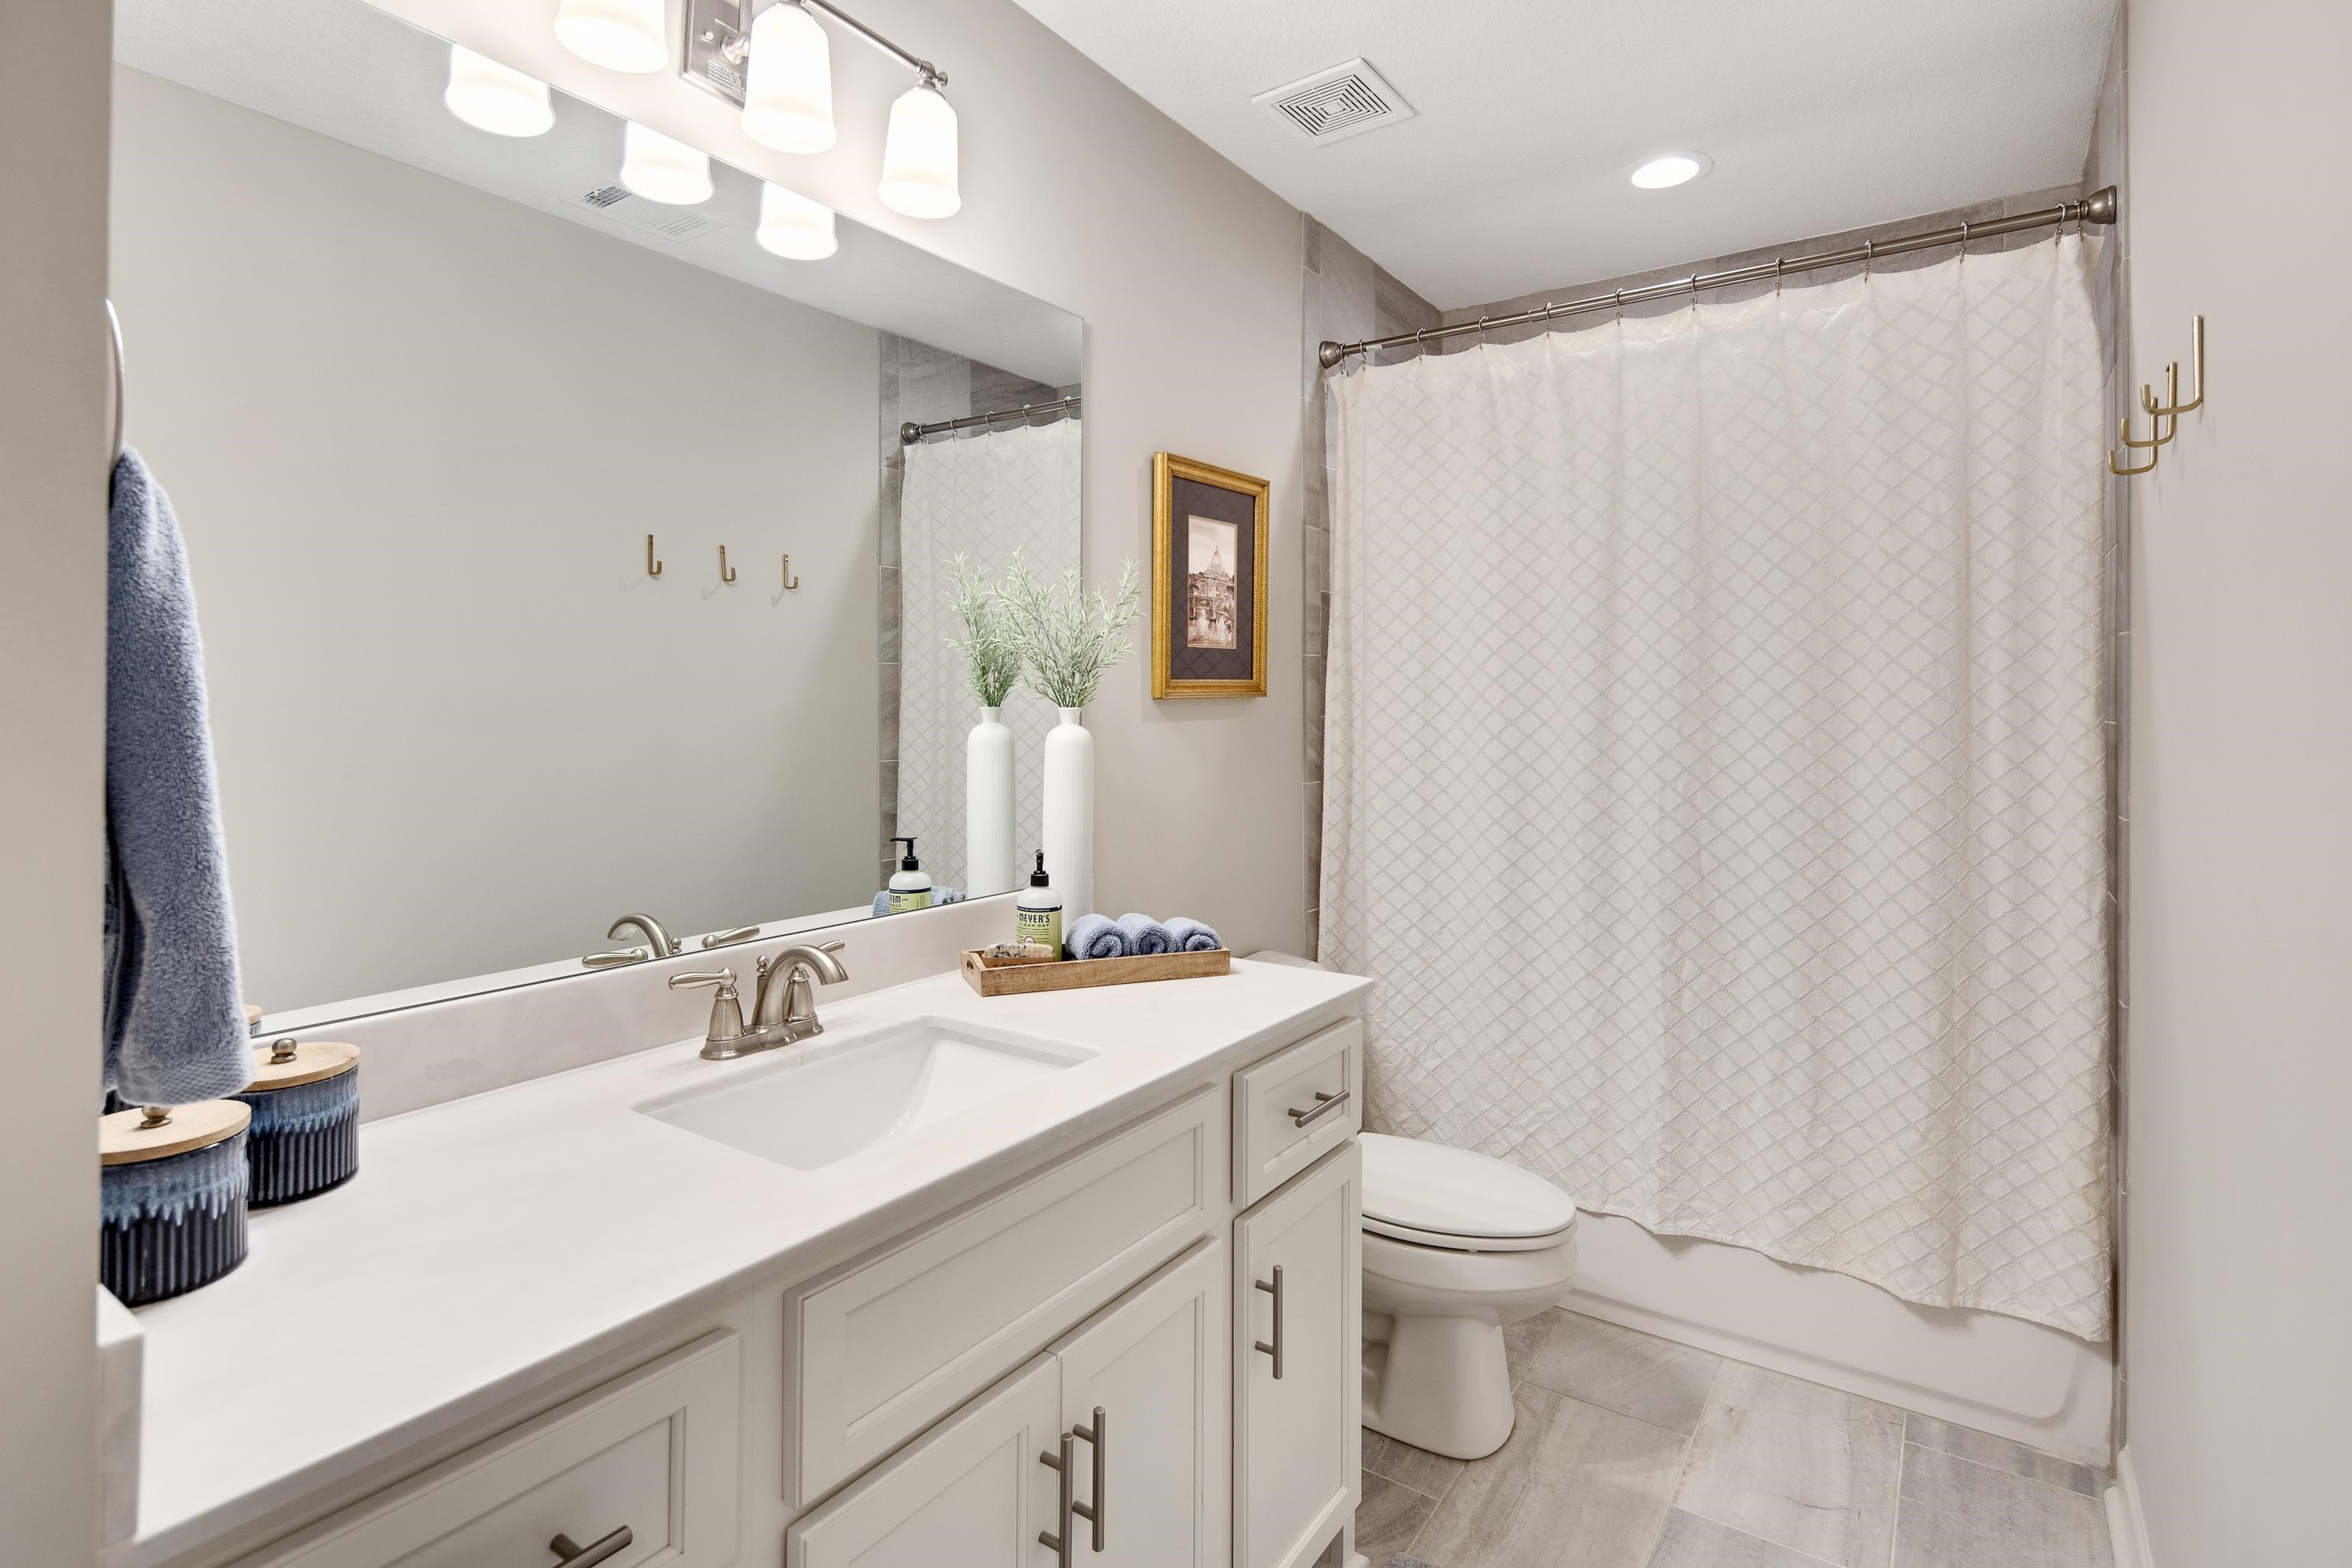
(1670, 168)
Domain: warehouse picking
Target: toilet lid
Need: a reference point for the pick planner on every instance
(1431, 1193)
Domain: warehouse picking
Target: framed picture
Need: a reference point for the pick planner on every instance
(1208, 579)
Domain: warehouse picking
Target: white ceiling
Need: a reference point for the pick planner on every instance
(347, 70)
(1820, 115)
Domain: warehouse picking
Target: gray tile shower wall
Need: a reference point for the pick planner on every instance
(1346, 297)
(924, 385)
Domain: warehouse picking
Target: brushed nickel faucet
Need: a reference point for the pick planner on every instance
(783, 1010)
(659, 943)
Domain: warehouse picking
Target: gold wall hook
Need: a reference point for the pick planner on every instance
(652, 567)
(2197, 371)
(790, 581)
(726, 572)
(2120, 471)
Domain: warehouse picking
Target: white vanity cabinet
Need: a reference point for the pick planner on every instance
(1109, 1449)
(1140, 1351)
(1297, 1360)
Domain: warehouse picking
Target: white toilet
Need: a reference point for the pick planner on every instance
(1456, 1244)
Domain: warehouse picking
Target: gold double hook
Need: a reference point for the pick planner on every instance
(652, 567)
(2170, 410)
(790, 581)
(726, 572)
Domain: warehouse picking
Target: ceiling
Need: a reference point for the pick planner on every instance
(347, 70)
(1820, 115)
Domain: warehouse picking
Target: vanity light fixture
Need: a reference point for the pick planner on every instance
(788, 82)
(1669, 169)
(494, 98)
(794, 227)
(662, 170)
(779, 67)
(919, 159)
(619, 35)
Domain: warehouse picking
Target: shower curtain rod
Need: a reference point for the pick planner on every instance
(2099, 208)
(909, 433)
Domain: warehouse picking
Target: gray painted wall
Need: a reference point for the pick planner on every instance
(2237, 1364)
(54, 462)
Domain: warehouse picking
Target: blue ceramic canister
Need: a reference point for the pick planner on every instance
(305, 1119)
(172, 1195)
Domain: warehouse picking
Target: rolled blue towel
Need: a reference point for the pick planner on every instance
(1191, 936)
(1095, 936)
(1145, 935)
(939, 896)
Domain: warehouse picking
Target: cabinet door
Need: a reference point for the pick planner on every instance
(1297, 1361)
(970, 1491)
(1145, 1386)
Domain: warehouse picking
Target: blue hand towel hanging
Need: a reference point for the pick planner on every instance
(173, 1019)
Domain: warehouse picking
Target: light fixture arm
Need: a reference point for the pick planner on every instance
(739, 47)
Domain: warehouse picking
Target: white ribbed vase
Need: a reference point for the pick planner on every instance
(1069, 814)
(990, 854)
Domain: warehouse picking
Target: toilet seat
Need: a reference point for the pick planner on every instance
(1459, 1200)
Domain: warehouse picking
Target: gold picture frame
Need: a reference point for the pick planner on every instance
(1199, 653)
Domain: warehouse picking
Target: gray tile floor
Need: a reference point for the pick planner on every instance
(1635, 1452)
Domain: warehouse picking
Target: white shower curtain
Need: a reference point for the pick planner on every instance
(1714, 775)
(984, 496)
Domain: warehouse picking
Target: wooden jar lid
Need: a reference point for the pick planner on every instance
(252, 1015)
(275, 1067)
(127, 1137)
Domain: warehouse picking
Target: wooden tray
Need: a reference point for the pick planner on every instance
(1015, 976)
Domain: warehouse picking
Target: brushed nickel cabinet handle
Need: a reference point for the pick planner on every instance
(1324, 1102)
(1094, 1437)
(574, 1555)
(1066, 1543)
(1274, 1290)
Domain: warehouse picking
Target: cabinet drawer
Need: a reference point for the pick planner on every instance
(1278, 1127)
(888, 1346)
(655, 1453)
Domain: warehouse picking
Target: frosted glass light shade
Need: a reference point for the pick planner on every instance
(919, 161)
(619, 35)
(661, 170)
(788, 82)
(495, 98)
(794, 227)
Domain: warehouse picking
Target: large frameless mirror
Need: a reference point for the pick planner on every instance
(559, 551)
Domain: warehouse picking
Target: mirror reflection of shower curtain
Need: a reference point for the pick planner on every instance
(983, 497)
(1715, 778)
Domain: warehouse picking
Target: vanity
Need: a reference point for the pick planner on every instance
(1052, 1279)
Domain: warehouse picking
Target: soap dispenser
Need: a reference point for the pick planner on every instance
(911, 887)
(1037, 910)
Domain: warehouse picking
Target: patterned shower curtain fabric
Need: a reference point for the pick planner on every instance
(1714, 771)
(984, 496)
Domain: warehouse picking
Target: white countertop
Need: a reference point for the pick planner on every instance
(492, 1242)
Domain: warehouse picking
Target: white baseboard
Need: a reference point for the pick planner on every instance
(2126, 1525)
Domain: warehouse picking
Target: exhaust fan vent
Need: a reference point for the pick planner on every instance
(1333, 105)
(626, 208)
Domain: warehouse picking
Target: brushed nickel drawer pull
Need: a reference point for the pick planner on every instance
(1324, 1102)
(1274, 1290)
(575, 1555)
(1064, 1544)
(1092, 1513)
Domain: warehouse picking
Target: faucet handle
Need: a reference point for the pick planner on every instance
(724, 1037)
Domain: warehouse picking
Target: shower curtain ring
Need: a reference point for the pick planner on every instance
(1482, 330)
(1778, 276)
(1964, 237)
(1620, 297)
(1869, 254)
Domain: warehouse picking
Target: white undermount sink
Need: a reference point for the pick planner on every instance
(811, 1112)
